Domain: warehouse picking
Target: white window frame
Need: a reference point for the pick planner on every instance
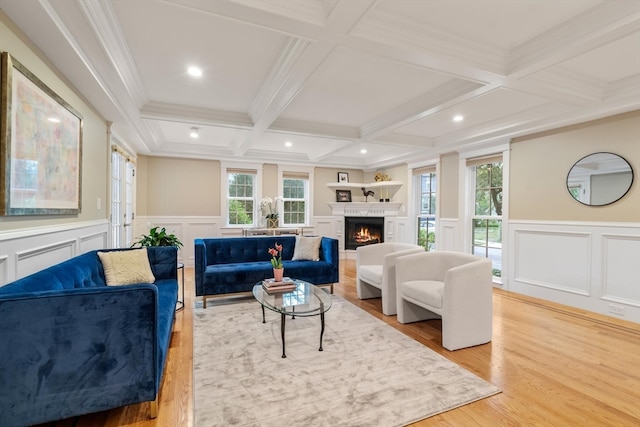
(466, 204)
(282, 171)
(413, 188)
(417, 197)
(257, 193)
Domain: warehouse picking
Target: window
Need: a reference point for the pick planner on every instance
(487, 215)
(296, 204)
(426, 195)
(240, 197)
(294, 192)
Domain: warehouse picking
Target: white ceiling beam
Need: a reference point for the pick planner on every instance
(593, 28)
(342, 18)
(124, 107)
(195, 115)
(323, 130)
(253, 16)
(450, 93)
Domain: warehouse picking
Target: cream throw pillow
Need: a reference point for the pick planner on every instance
(307, 248)
(126, 267)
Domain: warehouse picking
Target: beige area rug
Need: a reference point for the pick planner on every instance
(369, 374)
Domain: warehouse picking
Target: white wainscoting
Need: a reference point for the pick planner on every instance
(26, 251)
(448, 236)
(592, 266)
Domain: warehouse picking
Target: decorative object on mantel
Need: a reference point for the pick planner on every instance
(343, 195)
(382, 177)
(276, 262)
(343, 177)
(271, 205)
(367, 194)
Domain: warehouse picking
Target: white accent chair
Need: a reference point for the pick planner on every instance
(454, 286)
(376, 272)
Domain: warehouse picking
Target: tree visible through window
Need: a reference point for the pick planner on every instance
(294, 194)
(487, 219)
(427, 214)
(241, 198)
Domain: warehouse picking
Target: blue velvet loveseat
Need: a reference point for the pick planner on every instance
(71, 345)
(230, 265)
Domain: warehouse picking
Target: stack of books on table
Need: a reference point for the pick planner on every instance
(271, 286)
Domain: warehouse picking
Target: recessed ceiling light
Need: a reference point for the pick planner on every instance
(363, 151)
(288, 144)
(54, 119)
(194, 71)
(458, 118)
(194, 133)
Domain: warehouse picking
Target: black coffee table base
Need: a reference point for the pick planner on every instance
(283, 318)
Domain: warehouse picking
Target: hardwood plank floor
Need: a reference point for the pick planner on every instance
(556, 366)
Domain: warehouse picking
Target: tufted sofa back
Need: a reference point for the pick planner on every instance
(247, 249)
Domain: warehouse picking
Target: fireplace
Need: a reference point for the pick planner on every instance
(361, 231)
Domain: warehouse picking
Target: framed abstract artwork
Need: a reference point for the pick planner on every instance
(40, 146)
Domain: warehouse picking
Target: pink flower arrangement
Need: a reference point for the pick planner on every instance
(276, 254)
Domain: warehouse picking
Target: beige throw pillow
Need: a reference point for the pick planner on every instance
(307, 248)
(126, 267)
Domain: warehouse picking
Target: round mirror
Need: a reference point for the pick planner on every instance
(599, 179)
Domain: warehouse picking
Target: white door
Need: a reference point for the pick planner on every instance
(122, 197)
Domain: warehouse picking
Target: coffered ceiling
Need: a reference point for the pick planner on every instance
(334, 77)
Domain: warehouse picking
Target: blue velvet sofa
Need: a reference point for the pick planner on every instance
(71, 345)
(230, 265)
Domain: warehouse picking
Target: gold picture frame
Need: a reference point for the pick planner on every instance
(40, 146)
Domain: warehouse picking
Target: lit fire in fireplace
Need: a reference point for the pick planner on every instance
(364, 237)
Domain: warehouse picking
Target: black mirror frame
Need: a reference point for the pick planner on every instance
(604, 204)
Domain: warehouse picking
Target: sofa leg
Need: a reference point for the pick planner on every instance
(204, 301)
(332, 288)
(153, 408)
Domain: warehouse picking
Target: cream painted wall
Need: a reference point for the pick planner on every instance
(322, 194)
(449, 186)
(540, 164)
(174, 187)
(396, 173)
(177, 187)
(270, 180)
(95, 144)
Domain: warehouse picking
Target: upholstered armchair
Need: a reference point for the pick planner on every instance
(376, 271)
(454, 286)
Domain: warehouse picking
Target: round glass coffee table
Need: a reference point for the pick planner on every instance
(304, 300)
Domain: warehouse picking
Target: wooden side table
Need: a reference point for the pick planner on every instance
(180, 303)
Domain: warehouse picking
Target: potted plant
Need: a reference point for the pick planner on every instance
(158, 238)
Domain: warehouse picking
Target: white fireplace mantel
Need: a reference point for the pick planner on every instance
(365, 208)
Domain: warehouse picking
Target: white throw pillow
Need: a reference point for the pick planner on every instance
(126, 267)
(307, 248)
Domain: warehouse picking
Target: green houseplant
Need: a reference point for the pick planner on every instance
(158, 238)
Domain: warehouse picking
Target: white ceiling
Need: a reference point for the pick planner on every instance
(335, 76)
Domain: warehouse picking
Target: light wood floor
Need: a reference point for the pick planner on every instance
(556, 367)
